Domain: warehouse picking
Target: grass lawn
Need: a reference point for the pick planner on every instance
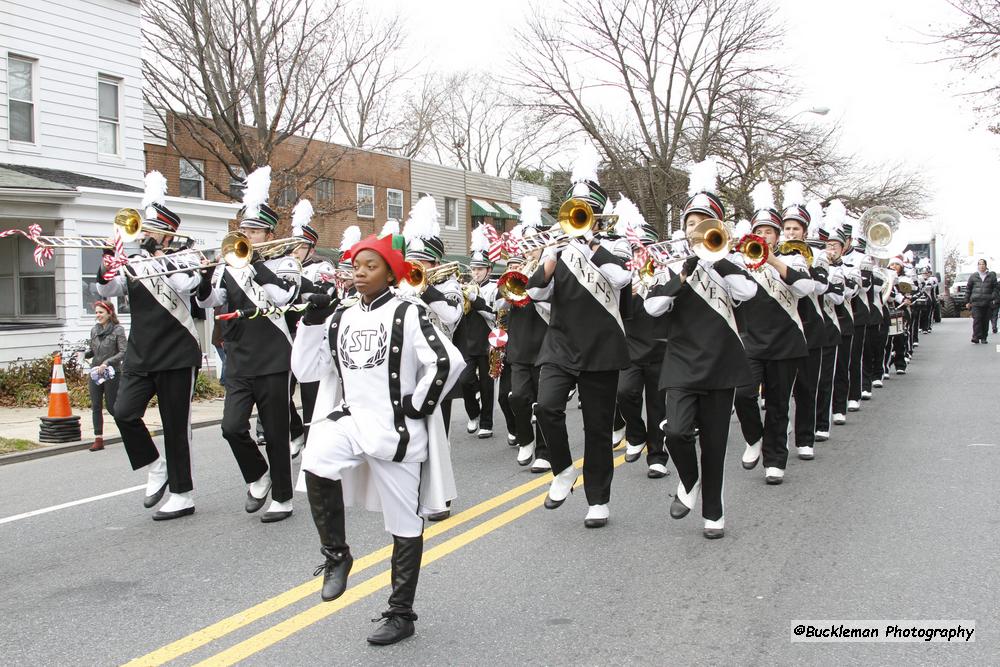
(8, 445)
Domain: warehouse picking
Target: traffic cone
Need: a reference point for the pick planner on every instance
(61, 425)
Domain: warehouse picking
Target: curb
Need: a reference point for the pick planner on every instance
(46, 451)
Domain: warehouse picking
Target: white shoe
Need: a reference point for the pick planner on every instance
(276, 506)
(277, 511)
(866, 395)
(473, 425)
(484, 433)
(885, 376)
(877, 384)
(657, 470)
(806, 453)
(156, 477)
(177, 502)
(296, 445)
(839, 418)
(511, 439)
(260, 488)
(688, 499)
(900, 371)
(616, 436)
(597, 516)
(853, 406)
(715, 529)
(774, 475)
(525, 453)
(751, 455)
(822, 436)
(632, 452)
(541, 465)
(561, 487)
(916, 343)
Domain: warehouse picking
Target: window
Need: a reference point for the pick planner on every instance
(288, 194)
(450, 213)
(324, 190)
(21, 99)
(394, 204)
(92, 260)
(237, 182)
(192, 182)
(26, 289)
(108, 127)
(366, 201)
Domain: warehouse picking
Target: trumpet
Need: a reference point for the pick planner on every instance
(576, 218)
(796, 247)
(513, 284)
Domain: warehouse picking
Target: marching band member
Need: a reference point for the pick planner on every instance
(877, 331)
(775, 344)
(472, 338)
(583, 346)
(796, 219)
(703, 361)
(641, 378)
(898, 359)
(830, 300)
(162, 357)
(853, 259)
(836, 213)
(383, 443)
(258, 353)
(526, 327)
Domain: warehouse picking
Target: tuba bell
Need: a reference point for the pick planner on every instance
(878, 226)
(796, 247)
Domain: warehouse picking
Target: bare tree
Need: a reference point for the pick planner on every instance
(883, 185)
(972, 46)
(480, 128)
(244, 78)
(640, 76)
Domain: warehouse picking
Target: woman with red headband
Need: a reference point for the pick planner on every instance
(106, 351)
(383, 369)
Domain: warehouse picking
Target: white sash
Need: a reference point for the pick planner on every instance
(256, 293)
(713, 292)
(593, 280)
(776, 288)
(831, 312)
(178, 305)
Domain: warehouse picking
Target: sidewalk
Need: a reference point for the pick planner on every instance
(23, 423)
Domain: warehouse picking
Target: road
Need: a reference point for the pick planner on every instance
(897, 518)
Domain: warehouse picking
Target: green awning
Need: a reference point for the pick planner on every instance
(506, 211)
(547, 219)
(482, 209)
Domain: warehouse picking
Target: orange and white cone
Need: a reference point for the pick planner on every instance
(58, 394)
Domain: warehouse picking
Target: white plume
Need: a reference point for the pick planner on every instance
(587, 161)
(255, 192)
(742, 229)
(629, 216)
(762, 196)
(390, 227)
(531, 211)
(908, 256)
(815, 209)
(301, 215)
(422, 223)
(517, 232)
(835, 215)
(156, 192)
(351, 236)
(678, 235)
(703, 175)
(478, 240)
(793, 193)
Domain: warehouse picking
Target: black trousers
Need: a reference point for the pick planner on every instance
(871, 363)
(898, 344)
(824, 388)
(994, 312)
(173, 389)
(841, 379)
(597, 391)
(981, 322)
(270, 393)
(524, 395)
(710, 412)
(914, 326)
(777, 376)
(634, 384)
(805, 392)
(857, 358)
(476, 379)
(101, 396)
(503, 398)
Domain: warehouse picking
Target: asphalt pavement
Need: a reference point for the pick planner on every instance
(898, 517)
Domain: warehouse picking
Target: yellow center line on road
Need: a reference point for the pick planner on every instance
(220, 629)
(304, 619)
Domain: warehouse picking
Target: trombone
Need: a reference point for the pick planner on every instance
(237, 253)
(576, 218)
(127, 220)
(416, 280)
(709, 240)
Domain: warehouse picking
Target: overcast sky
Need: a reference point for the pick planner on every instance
(857, 57)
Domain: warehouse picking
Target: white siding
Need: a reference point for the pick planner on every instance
(153, 129)
(483, 186)
(441, 182)
(74, 41)
(520, 189)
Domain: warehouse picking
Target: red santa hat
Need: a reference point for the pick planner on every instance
(386, 249)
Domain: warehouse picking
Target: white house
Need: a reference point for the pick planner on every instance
(71, 156)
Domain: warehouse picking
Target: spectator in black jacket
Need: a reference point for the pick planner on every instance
(982, 293)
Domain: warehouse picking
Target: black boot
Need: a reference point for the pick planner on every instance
(326, 499)
(407, 553)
